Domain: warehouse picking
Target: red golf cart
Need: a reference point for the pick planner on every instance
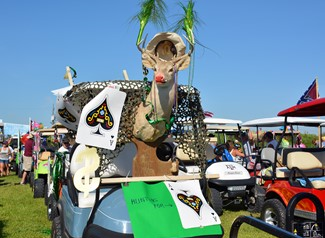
(302, 175)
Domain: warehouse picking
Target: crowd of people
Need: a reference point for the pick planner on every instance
(246, 151)
(7, 154)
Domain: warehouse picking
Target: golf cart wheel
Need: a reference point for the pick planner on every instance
(31, 179)
(216, 200)
(274, 213)
(256, 199)
(39, 188)
(46, 196)
(16, 168)
(20, 172)
(52, 210)
(56, 228)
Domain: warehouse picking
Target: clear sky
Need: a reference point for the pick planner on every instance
(264, 54)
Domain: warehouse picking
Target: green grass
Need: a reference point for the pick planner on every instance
(22, 216)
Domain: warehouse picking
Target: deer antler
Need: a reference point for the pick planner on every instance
(143, 43)
(139, 48)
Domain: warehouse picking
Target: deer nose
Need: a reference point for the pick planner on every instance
(160, 78)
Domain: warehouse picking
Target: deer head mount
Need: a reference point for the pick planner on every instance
(165, 55)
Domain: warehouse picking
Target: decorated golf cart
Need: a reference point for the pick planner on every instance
(118, 185)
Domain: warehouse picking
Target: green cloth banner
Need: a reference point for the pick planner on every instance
(153, 212)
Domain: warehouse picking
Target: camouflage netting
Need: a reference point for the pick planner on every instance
(188, 128)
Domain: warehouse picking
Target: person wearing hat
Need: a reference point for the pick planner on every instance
(5, 154)
(65, 145)
(27, 157)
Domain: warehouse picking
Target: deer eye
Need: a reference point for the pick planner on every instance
(171, 70)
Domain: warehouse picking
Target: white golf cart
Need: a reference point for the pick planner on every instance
(235, 185)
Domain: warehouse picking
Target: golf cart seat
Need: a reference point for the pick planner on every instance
(44, 155)
(307, 161)
(269, 155)
(191, 167)
(186, 165)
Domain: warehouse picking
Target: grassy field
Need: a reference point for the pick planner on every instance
(22, 216)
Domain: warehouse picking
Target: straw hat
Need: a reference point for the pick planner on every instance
(178, 47)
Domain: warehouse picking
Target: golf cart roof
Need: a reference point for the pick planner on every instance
(222, 124)
(308, 109)
(51, 131)
(221, 121)
(279, 121)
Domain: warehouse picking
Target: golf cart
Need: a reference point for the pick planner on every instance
(100, 198)
(234, 185)
(266, 156)
(45, 147)
(302, 173)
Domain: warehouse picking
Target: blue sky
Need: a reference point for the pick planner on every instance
(264, 54)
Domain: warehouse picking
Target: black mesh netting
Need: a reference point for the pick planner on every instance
(188, 129)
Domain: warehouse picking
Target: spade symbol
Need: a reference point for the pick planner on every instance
(65, 114)
(192, 201)
(100, 116)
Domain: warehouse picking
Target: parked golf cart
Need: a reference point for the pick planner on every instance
(266, 156)
(302, 172)
(45, 147)
(234, 185)
(56, 179)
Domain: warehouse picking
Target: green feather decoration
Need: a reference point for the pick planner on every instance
(151, 10)
(188, 21)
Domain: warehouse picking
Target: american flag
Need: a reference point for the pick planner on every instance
(311, 93)
(208, 114)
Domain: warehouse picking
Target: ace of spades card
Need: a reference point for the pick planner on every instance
(100, 119)
(66, 113)
(192, 207)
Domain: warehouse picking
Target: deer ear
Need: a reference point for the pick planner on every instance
(148, 61)
(183, 62)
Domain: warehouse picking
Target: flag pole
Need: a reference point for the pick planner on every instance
(319, 127)
(30, 125)
(317, 94)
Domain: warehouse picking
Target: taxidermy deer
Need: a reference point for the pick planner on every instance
(154, 113)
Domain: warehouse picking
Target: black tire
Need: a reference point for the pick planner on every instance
(52, 209)
(20, 172)
(46, 196)
(274, 213)
(16, 168)
(39, 188)
(31, 179)
(216, 200)
(255, 199)
(56, 228)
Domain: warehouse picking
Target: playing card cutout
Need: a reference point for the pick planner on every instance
(66, 113)
(100, 119)
(191, 204)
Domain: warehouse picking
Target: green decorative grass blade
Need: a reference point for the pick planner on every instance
(151, 10)
(188, 21)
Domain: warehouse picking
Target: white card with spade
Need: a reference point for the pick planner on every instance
(100, 119)
(193, 209)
